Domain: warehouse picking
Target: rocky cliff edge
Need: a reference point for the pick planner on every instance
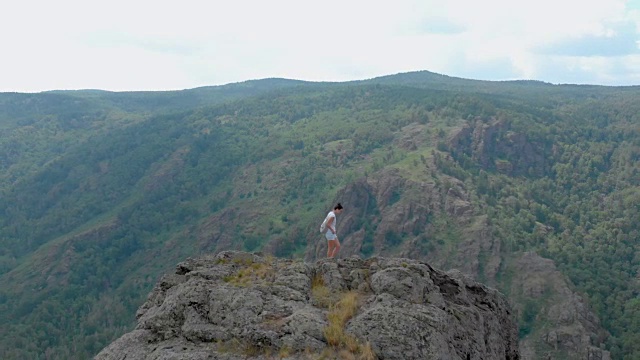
(237, 305)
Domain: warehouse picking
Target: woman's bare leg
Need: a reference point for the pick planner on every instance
(336, 247)
(330, 246)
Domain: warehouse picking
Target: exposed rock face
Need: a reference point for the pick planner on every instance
(571, 330)
(562, 319)
(394, 205)
(238, 305)
(406, 208)
(213, 236)
(494, 145)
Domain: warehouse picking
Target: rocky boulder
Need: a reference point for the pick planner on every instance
(237, 305)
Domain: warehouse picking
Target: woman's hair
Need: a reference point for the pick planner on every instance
(337, 207)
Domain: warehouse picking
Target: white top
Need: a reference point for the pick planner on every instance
(331, 214)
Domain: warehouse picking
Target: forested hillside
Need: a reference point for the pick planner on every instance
(101, 192)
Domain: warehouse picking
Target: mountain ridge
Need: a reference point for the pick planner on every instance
(406, 78)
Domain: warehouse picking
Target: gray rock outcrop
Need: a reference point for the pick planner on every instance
(493, 144)
(238, 305)
(569, 330)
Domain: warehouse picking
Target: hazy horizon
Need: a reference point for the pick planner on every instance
(307, 81)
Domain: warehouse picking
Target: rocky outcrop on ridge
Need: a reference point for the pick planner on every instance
(237, 305)
(494, 145)
(556, 321)
(570, 329)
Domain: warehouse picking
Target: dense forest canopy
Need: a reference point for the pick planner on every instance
(100, 192)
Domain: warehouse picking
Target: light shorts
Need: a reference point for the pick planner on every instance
(330, 236)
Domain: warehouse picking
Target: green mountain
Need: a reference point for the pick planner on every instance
(531, 187)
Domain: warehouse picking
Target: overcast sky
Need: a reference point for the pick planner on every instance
(159, 45)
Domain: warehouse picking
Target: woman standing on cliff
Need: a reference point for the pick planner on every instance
(333, 244)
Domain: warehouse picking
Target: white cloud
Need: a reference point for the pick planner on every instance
(135, 45)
